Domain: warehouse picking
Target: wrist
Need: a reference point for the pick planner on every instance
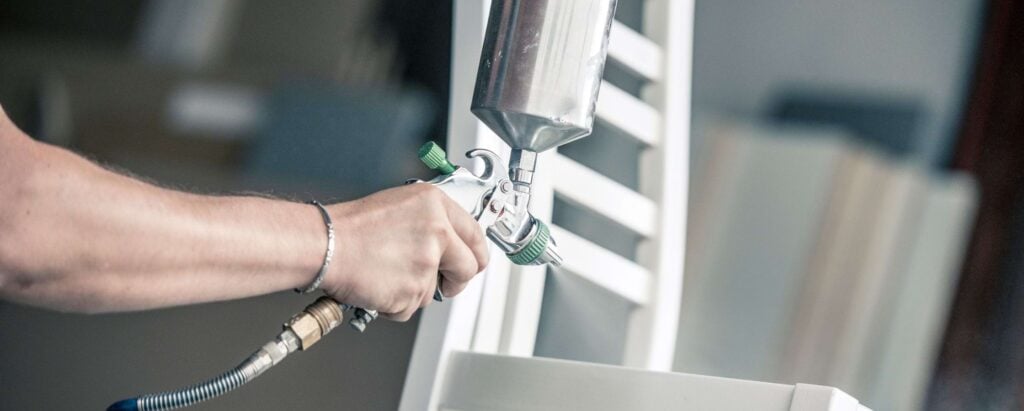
(336, 280)
(313, 241)
(328, 252)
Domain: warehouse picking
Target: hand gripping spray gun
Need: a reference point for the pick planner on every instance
(536, 88)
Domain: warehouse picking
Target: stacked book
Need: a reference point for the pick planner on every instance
(811, 259)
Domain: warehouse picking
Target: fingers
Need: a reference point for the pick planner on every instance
(458, 265)
(450, 289)
(400, 317)
(451, 248)
(469, 232)
(413, 305)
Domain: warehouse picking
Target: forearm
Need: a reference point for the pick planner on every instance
(78, 237)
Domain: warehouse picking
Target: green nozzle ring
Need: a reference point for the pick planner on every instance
(434, 157)
(529, 254)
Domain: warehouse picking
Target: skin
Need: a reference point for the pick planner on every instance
(79, 238)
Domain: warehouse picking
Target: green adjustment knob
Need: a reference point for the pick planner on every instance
(527, 255)
(434, 157)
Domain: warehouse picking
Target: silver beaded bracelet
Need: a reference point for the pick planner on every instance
(327, 257)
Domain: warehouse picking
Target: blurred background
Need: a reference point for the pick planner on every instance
(855, 200)
(326, 100)
(855, 213)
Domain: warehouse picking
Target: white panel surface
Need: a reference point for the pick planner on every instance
(482, 382)
(628, 114)
(635, 52)
(589, 189)
(807, 397)
(651, 335)
(491, 315)
(602, 267)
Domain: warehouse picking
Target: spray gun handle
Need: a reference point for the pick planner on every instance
(473, 193)
(492, 200)
(458, 187)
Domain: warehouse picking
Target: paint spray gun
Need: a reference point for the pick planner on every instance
(536, 88)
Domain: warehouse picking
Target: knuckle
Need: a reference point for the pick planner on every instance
(411, 290)
(430, 281)
(485, 259)
(476, 237)
(393, 307)
(437, 228)
(455, 284)
(466, 273)
(408, 313)
(455, 289)
(435, 234)
(438, 212)
(425, 260)
(420, 187)
(469, 275)
(429, 192)
(427, 287)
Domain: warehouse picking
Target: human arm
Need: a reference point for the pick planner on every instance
(77, 237)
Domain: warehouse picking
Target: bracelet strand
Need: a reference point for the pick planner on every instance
(313, 286)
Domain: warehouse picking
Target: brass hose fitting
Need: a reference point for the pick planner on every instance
(300, 333)
(315, 321)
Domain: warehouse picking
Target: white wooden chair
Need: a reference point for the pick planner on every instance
(473, 352)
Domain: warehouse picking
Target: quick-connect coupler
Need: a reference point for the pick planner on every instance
(300, 333)
(315, 321)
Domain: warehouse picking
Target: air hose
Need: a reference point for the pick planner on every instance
(300, 333)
